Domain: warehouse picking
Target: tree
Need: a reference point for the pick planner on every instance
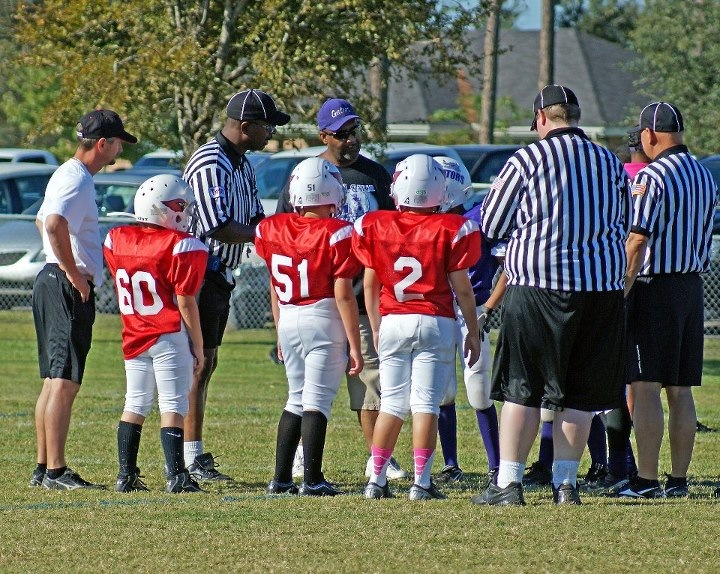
(546, 73)
(613, 20)
(492, 41)
(677, 41)
(169, 66)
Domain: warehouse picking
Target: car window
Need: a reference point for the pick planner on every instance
(490, 166)
(115, 197)
(32, 159)
(272, 175)
(31, 188)
(6, 202)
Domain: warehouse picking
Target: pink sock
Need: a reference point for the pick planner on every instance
(423, 465)
(380, 457)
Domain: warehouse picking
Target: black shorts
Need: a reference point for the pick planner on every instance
(214, 308)
(665, 330)
(559, 349)
(63, 324)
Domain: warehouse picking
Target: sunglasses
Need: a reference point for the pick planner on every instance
(343, 135)
(270, 129)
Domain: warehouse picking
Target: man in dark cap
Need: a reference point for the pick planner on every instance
(674, 200)
(564, 204)
(64, 291)
(228, 211)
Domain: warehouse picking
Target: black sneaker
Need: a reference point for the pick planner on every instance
(676, 487)
(130, 483)
(373, 490)
(449, 474)
(491, 477)
(641, 488)
(566, 494)
(417, 492)
(537, 475)
(511, 495)
(204, 469)
(322, 488)
(69, 480)
(277, 487)
(703, 428)
(182, 482)
(596, 473)
(36, 479)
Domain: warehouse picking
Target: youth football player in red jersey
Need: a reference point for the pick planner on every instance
(311, 264)
(415, 258)
(158, 268)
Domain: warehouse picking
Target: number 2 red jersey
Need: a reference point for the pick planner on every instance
(150, 266)
(305, 255)
(412, 255)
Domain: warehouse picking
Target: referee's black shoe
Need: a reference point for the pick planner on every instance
(511, 495)
(566, 494)
(322, 488)
(204, 469)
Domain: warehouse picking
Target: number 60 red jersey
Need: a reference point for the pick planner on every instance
(150, 266)
(412, 255)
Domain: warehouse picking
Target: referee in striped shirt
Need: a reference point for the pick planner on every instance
(228, 210)
(674, 201)
(563, 205)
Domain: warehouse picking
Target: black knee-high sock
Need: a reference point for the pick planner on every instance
(618, 424)
(172, 439)
(314, 427)
(128, 437)
(288, 438)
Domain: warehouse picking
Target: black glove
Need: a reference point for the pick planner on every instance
(484, 321)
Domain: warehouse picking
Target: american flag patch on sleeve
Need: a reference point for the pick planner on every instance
(638, 189)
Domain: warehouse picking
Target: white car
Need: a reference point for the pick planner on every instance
(22, 155)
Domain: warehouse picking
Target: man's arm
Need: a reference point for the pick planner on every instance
(234, 232)
(58, 232)
(460, 282)
(635, 250)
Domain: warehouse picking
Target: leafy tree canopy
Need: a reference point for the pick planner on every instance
(169, 66)
(678, 42)
(613, 20)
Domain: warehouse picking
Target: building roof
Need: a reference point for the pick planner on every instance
(595, 69)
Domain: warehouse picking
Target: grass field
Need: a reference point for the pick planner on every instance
(238, 529)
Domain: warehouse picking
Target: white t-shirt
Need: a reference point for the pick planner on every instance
(70, 193)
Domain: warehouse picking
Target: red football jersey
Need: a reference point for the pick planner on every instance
(412, 255)
(305, 255)
(150, 266)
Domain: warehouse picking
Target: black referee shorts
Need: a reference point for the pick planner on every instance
(214, 308)
(63, 324)
(666, 331)
(560, 349)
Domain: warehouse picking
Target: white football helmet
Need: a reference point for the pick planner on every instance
(165, 200)
(315, 181)
(418, 181)
(458, 181)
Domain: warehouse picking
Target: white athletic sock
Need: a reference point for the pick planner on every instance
(564, 472)
(509, 471)
(191, 450)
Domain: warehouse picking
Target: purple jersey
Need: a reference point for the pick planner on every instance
(483, 272)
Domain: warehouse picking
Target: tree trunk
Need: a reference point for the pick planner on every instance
(379, 71)
(547, 44)
(492, 36)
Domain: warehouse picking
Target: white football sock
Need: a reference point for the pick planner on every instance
(509, 471)
(191, 450)
(564, 472)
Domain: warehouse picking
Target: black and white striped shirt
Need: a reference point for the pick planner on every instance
(224, 185)
(674, 201)
(563, 205)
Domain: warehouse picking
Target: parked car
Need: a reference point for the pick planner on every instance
(161, 158)
(22, 155)
(250, 300)
(21, 249)
(484, 161)
(21, 184)
(712, 162)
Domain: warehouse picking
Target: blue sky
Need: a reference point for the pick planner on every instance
(529, 18)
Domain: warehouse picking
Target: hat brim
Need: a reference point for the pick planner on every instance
(278, 118)
(128, 138)
(336, 125)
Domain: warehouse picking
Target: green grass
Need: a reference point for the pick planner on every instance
(238, 529)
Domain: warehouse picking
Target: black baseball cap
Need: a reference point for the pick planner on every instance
(103, 124)
(633, 139)
(549, 96)
(661, 117)
(255, 105)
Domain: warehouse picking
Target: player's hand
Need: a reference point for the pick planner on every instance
(484, 321)
(355, 363)
(471, 348)
(198, 361)
(280, 353)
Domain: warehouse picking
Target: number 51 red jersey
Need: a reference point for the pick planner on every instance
(413, 254)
